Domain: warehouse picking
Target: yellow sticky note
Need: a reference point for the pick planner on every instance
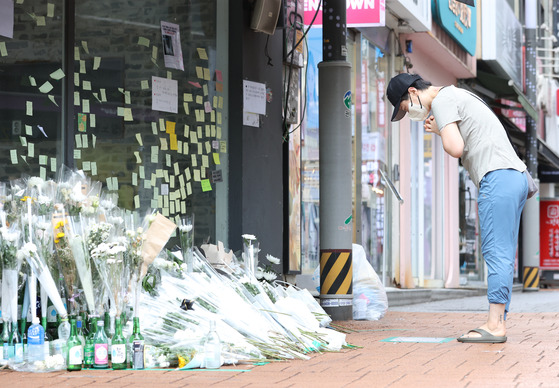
(207, 74)
(196, 175)
(173, 142)
(153, 54)
(193, 137)
(138, 158)
(82, 67)
(170, 126)
(128, 114)
(164, 145)
(86, 166)
(188, 97)
(199, 72)
(3, 50)
(77, 154)
(199, 100)
(13, 156)
(143, 41)
(206, 185)
(216, 158)
(194, 160)
(187, 174)
(144, 85)
(29, 108)
(92, 122)
(186, 108)
(41, 21)
(208, 147)
(223, 146)
(76, 79)
(120, 111)
(139, 138)
(84, 45)
(202, 53)
(85, 106)
(162, 125)
(76, 53)
(199, 115)
(205, 161)
(218, 134)
(188, 188)
(96, 62)
(86, 85)
(134, 179)
(205, 89)
(136, 201)
(50, 10)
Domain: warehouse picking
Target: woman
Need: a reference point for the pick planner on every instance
(471, 131)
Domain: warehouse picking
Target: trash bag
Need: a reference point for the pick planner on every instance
(369, 296)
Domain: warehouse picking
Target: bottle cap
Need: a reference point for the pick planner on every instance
(36, 320)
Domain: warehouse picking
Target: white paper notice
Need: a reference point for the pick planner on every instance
(251, 119)
(254, 97)
(7, 18)
(172, 50)
(165, 93)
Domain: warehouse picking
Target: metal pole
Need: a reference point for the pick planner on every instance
(334, 83)
(531, 212)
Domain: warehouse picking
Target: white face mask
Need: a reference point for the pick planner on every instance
(417, 113)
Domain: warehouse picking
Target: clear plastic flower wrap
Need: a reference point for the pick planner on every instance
(67, 263)
(11, 264)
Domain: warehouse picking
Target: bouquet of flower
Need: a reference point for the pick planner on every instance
(135, 233)
(186, 234)
(67, 264)
(44, 240)
(77, 192)
(11, 265)
(250, 253)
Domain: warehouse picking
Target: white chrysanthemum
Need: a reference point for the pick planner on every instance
(106, 204)
(249, 237)
(185, 228)
(259, 274)
(43, 200)
(270, 276)
(35, 181)
(8, 235)
(272, 259)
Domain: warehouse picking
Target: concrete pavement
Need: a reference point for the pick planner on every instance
(530, 358)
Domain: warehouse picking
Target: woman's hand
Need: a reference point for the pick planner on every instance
(431, 125)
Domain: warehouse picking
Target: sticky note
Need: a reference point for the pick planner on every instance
(82, 122)
(120, 111)
(219, 87)
(154, 128)
(136, 201)
(77, 154)
(94, 140)
(29, 108)
(96, 62)
(138, 158)
(139, 139)
(52, 164)
(167, 160)
(77, 99)
(187, 174)
(84, 141)
(57, 75)
(127, 97)
(84, 45)
(196, 175)
(199, 115)
(86, 85)
(103, 93)
(92, 122)
(85, 106)
(43, 160)
(128, 114)
(202, 53)
(216, 158)
(154, 53)
(76, 53)
(154, 154)
(144, 84)
(51, 98)
(82, 67)
(43, 173)
(193, 137)
(93, 168)
(170, 126)
(13, 156)
(208, 147)
(218, 76)
(195, 84)
(134, 179)
(86, 166)
(199, 72)
(31, 79)
(223, 146)
(205, 161)
(188, 188)
(164, 145)
(162, 125)
(78, 141)
(143, 41)
(206, 185)
(173, 142)
(23, 141)
(28, 130)
(141, 172)
(194, 160)
(50, 10)
(188, 97)
(186, 108)
(205, 89)
(41, 21)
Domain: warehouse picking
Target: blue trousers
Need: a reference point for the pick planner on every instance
(502, 195)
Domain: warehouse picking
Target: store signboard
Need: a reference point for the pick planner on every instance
(359, 13)
(549, 234)
(459, 21)
(501, 39)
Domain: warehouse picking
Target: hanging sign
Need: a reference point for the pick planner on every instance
(359, 13)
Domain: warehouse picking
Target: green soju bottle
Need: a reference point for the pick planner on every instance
(5, 340)
(16, 344)
(118, 347)
(136, 346)
(75, 349)
(100, 347)
(89, 349)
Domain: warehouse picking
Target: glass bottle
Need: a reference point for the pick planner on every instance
(64, 329)
(79, 329)
(89, 349)
(15, 345)
(75, 349)
(5, 340)
(136, 346)
(100, 347)
(118, 347)
(212, 348)
(48, 337)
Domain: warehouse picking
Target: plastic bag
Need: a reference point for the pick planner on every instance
(369, 296)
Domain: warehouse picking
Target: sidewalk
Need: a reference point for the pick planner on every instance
(530, 358)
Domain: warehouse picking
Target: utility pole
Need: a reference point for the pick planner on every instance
(334, 83)
(531, 212)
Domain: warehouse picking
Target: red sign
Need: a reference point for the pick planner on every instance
(359, 13)
(549, 234)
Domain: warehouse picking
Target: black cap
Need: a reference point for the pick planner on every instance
(397, 88)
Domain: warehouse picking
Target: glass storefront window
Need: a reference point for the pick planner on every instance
(470, 254)
(139, 109)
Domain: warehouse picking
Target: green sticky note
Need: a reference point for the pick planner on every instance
(57, 75)
(143, 41)
(206, 185)
(3, 51)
